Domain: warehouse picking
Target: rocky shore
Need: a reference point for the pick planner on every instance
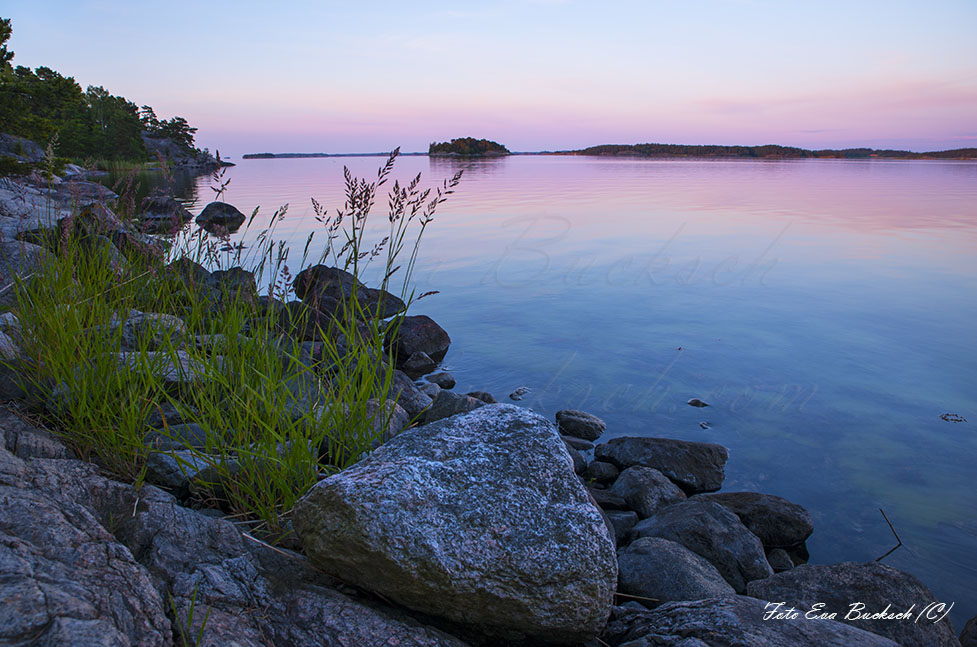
(474, 523)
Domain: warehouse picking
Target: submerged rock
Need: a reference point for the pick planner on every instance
(477, 519)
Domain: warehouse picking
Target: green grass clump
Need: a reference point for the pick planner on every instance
(226, 358)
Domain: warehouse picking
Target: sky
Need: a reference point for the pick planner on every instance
(531, 74)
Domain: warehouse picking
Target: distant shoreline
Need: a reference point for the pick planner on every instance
(671, 151)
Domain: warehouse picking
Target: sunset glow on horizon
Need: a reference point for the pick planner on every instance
(533, 75)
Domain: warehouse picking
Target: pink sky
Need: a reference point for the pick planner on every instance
(532, 74)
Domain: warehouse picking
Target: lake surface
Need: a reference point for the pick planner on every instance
(825, 310)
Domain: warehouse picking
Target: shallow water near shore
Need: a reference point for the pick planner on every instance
(824, 309)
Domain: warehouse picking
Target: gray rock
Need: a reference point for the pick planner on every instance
(152, 331)
(484, 396)
(175, 471)
(578, 443)
(645, 490)
(730, 622)
(20, 148)
(177, 369)
(622, 521)
(695, 467)
(179, 436)
(519, 392)
(220, 215)
(408, 395)
(579, 462)
(325, 287)
(657, 568)
(872, 584)
(163, 214)
(419, 334)
(430, 390)
(444, 380)
(235, 283)
(20, 259)
(418, 364)
(696, 402)
(779, 560)
(776, 521)
(9, 349)
(608, 500)
(64, 580)
(448, 404)
(601, 472)
(25, 440)
(713, 532)
(968, 637)
(477, 519)
(580, 424)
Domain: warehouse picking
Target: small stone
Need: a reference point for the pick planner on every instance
(444, 380)
(580, 424)
(705, 425)
(579, 462)
(484, 396)
(430, 389)
(696, 402)
(519, 392)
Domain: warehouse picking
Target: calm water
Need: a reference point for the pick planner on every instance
(825, 309)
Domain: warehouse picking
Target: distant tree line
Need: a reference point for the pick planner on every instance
(467, 146)
(767, 151)
(37, 104)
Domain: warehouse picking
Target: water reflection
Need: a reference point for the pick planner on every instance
(823, 307)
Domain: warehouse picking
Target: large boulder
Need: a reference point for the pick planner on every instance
(419, 334)
(645, 490)
(713, 532)
(735, 621)
(478, 519)
(875, 587)
(88, 561)
(695, 467)
(220, 215)
(323, 287)
(776, 521)
(665, 571)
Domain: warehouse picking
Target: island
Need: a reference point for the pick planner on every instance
(467, 147)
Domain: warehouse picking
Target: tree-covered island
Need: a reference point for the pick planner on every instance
(467, 147)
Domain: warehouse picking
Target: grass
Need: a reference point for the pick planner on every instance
(279, 414)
